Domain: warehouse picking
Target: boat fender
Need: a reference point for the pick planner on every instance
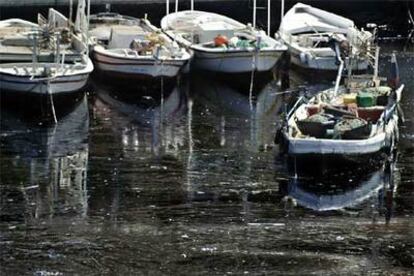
(221, 40)
(303, 58)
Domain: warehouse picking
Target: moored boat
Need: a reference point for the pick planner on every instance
(310, 34)
(132, 47)
(354, 120)
(43, 62)
(221, 44)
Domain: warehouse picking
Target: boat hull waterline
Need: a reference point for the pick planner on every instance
(236, 62)
(138, 67)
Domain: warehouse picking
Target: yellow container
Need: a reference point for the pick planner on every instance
(350, 98)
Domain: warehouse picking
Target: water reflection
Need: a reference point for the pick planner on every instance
(225, 105)
(337, 192)
(159, 112)
(44, 169)
(185, 179)
(147, 138)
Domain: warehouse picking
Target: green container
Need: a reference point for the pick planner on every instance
(366, 99)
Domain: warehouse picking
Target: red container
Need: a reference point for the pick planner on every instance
(370, 114)
(221, 40)
(313, 109)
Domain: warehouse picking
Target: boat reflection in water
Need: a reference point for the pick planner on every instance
(45, 168)
(135, 111)
(149, 134)
(350, 190)
(257, 110)
(217, 109)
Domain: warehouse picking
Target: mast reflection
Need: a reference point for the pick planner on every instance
(50, 162)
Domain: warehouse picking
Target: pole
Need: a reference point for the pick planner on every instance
(192, 5)
(282, 10)
(377, 49)
(70, 12)
(176, 5)
(254, 13)
(87, 29)
(167, 7)
(268, 17)
(34, 54)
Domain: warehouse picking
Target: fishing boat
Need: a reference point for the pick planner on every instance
(310, 34)
(221, 44)
(357, 119)
(132, 47)
(45, 62)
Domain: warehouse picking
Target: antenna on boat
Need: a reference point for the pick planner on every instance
(192, 5)
(176, 5)
(282, 9)
(167, 7)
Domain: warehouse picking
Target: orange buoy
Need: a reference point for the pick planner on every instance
(221, 40)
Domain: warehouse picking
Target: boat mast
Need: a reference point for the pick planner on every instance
(87, 29)
(377, 49)
(70, 12)
(176, 5)
(254, 13)
(282, 9)
(192, 5)
(34, 53)
(167, 7)
(268, 17)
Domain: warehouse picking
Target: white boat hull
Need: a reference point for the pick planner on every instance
(197, 31)
(58, 85)
(327, 63)
(236, 62)
(138, 67)
(301, 146)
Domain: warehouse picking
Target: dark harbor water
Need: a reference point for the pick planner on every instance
(188, 182)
